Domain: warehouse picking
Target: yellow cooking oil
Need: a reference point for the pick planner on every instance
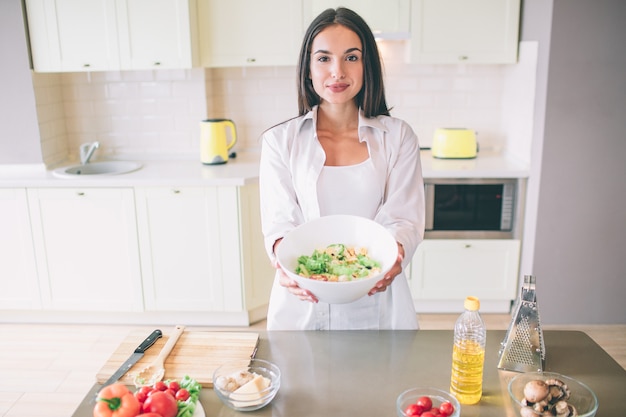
(468, 354)
(466, 383)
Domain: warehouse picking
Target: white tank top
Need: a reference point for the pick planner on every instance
(349, 190)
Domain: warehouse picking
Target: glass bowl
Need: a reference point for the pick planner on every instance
(437, 396)
(227, 378)
(581, 396)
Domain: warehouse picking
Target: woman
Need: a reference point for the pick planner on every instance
(344, 154)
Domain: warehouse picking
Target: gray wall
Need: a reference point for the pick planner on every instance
(19, 131)
(580, 245)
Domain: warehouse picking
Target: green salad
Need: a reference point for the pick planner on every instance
(337, 263)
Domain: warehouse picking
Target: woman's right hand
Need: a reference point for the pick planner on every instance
(291, 285)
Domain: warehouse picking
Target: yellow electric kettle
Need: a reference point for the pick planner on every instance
(217, 137)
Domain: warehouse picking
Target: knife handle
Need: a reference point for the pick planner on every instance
(149, 341)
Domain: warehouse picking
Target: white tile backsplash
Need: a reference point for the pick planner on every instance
(159, 111)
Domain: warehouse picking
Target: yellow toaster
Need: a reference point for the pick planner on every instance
(454, 143)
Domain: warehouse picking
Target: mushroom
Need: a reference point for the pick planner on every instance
(563, 409)
(536, 391)
(558, 390)
(528, 412)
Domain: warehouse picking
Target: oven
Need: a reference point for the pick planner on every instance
(471, 208)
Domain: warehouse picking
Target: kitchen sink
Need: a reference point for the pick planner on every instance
(97, 169)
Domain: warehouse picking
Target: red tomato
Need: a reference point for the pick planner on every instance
(413, 410)
(161, 403)
(182, 394)
(141, 397)
(428, 414)
(425, 402)
(160, 386)
(146, 389)
(446, 409)
(149, 415)
(170, 392)
(174, 386)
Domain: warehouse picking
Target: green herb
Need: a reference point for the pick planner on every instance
(188, 407)
(337, 263)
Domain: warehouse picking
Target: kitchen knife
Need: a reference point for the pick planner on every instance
(134, 358)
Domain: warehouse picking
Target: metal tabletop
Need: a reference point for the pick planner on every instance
(361, 373)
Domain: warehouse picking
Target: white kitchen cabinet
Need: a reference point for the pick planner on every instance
(106, 35)
(18, 286)
(465, 31)
(157, 33)
(390, 19)
(202, 249)
(73, 35)
(249, 32)
(445, 271)
(86, 248)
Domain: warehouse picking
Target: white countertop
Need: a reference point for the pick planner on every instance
(238, 171)
(242, 170)
(485, 165)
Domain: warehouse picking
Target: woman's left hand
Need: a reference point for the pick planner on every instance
(382, 285)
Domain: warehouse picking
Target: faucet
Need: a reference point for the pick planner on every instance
(87, 150)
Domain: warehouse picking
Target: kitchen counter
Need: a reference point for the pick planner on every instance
(361, 373)
(487, 164)
(242, 170)
(237, 171)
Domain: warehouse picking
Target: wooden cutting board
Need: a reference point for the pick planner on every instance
(196, 354)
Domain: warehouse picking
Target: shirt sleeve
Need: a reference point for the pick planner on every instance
(403, 209)
(280, 211)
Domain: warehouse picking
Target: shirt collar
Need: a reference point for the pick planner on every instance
(373, 122)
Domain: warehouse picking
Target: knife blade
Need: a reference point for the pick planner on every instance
(134, 357)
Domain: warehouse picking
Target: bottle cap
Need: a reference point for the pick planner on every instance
(471, 303)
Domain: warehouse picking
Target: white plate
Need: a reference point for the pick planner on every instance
(199, 411)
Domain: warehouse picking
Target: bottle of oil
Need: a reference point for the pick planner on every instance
(468, 354)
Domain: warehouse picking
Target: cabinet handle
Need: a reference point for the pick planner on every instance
(156, 64)
(176, 191)
(251, 60)
(467, 246)
(86, 65)
(80, 193)
(463, 58)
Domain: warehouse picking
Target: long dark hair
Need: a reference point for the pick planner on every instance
(371, 98)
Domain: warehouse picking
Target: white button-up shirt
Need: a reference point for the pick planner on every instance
(291, 162)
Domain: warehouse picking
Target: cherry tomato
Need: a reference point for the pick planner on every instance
(141, 397)
(149, 415)
(182, 394)
(413, 410)
(146, 389)
(425, 402)
(428, 414)
(160, 386)
(174, 386)
(170, 392)
(161, 403)
(446, 409)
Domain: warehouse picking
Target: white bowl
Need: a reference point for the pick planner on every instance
(338, 229)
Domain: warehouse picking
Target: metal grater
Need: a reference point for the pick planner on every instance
(522, 349)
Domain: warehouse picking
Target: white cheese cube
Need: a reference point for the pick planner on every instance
(249, 394)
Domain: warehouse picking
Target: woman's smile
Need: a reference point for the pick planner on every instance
(338, 87)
